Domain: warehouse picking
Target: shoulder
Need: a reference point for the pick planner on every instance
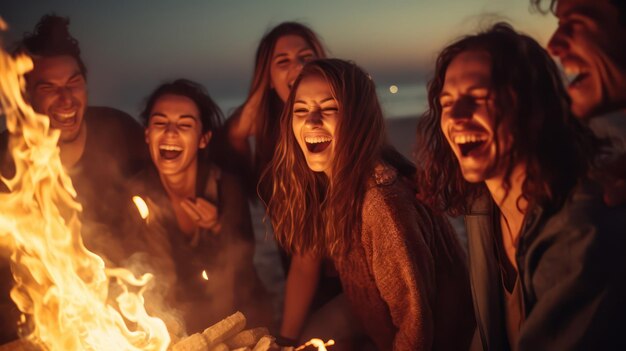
(109, 118)
(585, 210)
(390, 202)
(387, 191)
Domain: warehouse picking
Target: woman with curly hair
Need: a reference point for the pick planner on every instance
(499, 145)
(340, 191)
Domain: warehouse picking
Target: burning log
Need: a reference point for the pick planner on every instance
(227, 335)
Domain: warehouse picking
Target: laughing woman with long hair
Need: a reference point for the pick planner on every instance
(279, 59)
(340, 191)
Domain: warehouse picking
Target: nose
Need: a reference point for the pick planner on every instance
(65, 96)
(558, 42)
(314, 118)
(463, 108)
(171, 128)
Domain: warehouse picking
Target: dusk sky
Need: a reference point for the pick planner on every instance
(132, 46)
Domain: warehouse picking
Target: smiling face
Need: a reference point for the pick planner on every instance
(56, 88)
(315, 117)
(591, 45)
(174, 134)
(291, 52)
(467, 117)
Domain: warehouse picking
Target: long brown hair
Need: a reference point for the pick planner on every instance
(271, 105)
(309, 211)
(556, 148)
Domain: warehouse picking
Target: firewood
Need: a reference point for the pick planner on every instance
(225, 329)
(264, 343)
(247, 338)
(195, 342)
(19, 345)
(220, 347)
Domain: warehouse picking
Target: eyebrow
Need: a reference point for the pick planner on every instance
(473, 88)
(161, 114)
(583, 10)
(299, 51)
(321, 102)
(46, 82)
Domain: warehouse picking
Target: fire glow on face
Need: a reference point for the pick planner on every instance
(60, 286)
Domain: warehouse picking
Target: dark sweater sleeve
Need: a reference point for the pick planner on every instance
(576, 275)
(402, 265)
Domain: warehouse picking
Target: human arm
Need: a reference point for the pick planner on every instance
(575, 278)
(300, 287)
(402, 265)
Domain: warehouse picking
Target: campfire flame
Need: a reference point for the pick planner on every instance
(319, 343)
(142, 207)
(61, 286)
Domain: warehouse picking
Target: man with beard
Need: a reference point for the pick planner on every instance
(99, 146)
(590, 43)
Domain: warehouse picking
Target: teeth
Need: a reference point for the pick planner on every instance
(572, 73)
(317, 139)
(469, 138)
(66, 115)
(170, 148)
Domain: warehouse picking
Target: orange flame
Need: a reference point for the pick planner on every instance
(205, 276)
(59, 284)
(144, 212)
(319, 343)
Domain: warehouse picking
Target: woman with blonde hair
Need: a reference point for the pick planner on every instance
(340, 191)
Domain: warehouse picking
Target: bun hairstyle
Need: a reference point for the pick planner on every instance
(52, 38)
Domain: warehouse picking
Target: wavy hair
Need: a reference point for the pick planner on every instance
(556, 148)
(271, 106)
(309, 211)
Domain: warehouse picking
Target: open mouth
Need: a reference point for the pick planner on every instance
(170, 152)
(316, 144)
(65, 119)
(575, 76)
(469, 143)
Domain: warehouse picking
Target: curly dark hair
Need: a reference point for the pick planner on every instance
(52, 38)
(556, 148)
(210, 114)
(620, 5)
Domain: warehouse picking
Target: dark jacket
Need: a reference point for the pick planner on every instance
(572, 264)
(158, 245)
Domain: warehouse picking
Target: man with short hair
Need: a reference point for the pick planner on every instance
(590, 43)
(100, 147)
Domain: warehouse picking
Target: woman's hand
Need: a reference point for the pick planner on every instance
(244, 125)
(203, 213)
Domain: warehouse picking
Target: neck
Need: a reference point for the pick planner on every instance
(511, 209)
(181, 185)
(71, 152)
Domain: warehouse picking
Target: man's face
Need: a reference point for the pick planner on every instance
(591, 45)
(56, 88)
(467, 117)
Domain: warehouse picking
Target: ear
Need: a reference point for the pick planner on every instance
(204, 139)
(145, 133)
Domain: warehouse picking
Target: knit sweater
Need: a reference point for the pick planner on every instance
(406, 277)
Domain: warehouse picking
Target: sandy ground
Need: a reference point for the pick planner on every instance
(401, 133)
